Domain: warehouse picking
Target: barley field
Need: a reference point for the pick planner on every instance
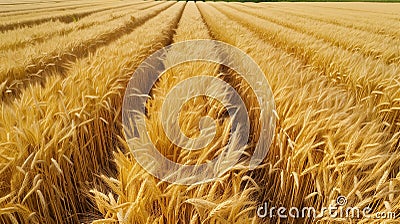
(333, 70)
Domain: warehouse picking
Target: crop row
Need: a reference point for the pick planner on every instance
(369, 44)
(367, 78)
(374, 24)
(175, 203)
(319, 124)
(9, 23)
(55, 155)
(48, 7)
(381, 10)
(54, 54)
(21, 37)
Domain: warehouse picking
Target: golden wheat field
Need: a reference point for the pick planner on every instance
(333, 70)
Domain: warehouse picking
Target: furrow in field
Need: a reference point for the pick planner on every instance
(372, 14)
(294, 95)
(368, 44)
(66, 17)
(22, 37)
(352, 20)
(388, 8)
(371, 24)
(8, 17)
(29, 65)
(190, 27)
(318, 124)
(14, 3)
(72, 126)
(358, 8)
(369, 79)
(47, 7)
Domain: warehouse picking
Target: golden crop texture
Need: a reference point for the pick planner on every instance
(333, 68)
